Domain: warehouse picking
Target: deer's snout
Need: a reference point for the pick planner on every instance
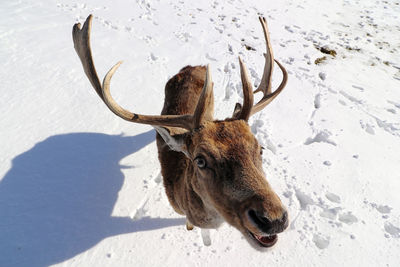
(267, 225)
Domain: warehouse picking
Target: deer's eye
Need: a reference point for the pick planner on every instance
(261, 150)
(201, 162)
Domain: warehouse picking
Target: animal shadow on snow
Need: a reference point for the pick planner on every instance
(56, 200)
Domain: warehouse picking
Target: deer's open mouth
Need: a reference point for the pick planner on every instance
(264, 240)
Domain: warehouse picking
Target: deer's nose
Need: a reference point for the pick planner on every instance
(267, 225)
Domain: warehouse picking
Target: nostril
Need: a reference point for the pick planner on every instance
(262, 222)
(266, 225)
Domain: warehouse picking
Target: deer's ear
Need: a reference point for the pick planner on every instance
(174, 137)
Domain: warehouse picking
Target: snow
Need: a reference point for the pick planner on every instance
(81, 187)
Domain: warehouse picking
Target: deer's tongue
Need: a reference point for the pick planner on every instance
(266, 241)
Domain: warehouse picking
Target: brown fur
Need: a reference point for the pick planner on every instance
(233, 181)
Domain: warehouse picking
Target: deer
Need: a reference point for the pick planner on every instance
(212, 169)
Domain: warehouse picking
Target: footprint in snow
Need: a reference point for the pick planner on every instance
(327, 163)
(158, 178)
(330, 213)
(320, 241)
(304, 199)
(367, 127)
(332, 197)
(348, 218)
(321, 137)
(392, 230)
(153, 57)
(383, 209)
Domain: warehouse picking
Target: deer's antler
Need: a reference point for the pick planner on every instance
(81, 38)
(265, 85)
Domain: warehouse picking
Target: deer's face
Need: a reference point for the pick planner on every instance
(229, 176)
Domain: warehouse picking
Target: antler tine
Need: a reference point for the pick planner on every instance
(269, 97)
(247, 92)
(265, 84)
(205, 96)
(81, 38)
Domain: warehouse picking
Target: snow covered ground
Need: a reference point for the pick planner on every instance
(81, 187)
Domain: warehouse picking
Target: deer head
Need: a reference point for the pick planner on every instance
(220, 175)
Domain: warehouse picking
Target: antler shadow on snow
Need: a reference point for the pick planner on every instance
(56, 200)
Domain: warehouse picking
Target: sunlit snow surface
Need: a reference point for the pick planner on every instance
(81, 187)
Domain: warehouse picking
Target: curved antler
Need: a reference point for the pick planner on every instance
(265, 84)
(81, 38)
